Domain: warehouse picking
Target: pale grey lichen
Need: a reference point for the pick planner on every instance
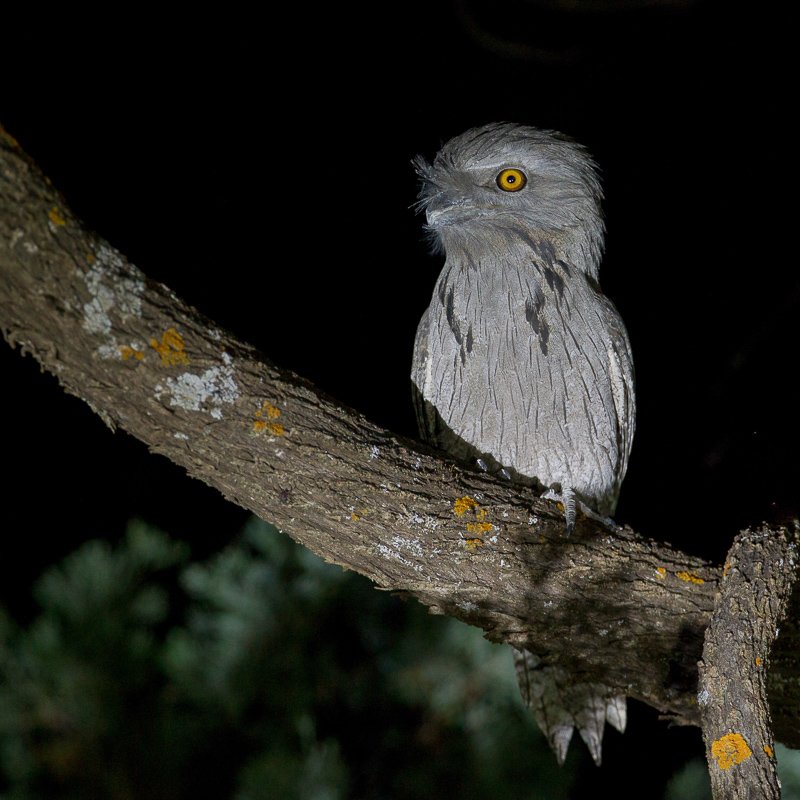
(112, 282)
(191, 392)
(426, 521)
(110, 350)
(96, 319)
(389, 553)
(413, 546)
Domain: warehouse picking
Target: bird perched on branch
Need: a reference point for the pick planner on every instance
(521, 364)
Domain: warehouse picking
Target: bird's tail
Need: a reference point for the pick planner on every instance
(559, 706)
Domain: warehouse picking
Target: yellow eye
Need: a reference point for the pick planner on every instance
(511, 180)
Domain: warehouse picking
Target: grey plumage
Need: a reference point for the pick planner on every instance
(520, 362)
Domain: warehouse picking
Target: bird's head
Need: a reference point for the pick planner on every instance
(504, 181)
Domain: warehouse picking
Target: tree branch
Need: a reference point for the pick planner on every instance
(758, 578)
(613, 608)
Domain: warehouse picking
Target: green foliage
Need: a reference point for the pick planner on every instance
(263, 673)
(74, 686)
(788, 771)
(692, 781)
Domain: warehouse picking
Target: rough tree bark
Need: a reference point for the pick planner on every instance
(756, 585)
(615, 608)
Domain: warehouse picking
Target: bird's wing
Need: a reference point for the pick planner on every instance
(426, 414)
(621, 374)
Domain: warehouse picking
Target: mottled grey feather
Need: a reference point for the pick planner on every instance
(520, 362)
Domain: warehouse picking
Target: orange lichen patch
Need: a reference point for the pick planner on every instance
(56, 217)
(463, 504)
(729, 750)
(473, 543)
(661, 573)
(130, 352)
(171, 348)
(690, 577)
(758, 661)
(768, 751)
(355, 515)
(275, 428)
(270, 412)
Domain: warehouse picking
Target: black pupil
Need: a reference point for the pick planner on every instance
(511, 178)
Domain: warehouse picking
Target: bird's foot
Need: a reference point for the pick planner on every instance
(571, 504)
(500, 470)
(566, 497)
(606, 522)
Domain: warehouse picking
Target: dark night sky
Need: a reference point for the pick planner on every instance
(261, 170)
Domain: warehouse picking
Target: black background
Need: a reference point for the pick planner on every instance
(259, 165)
